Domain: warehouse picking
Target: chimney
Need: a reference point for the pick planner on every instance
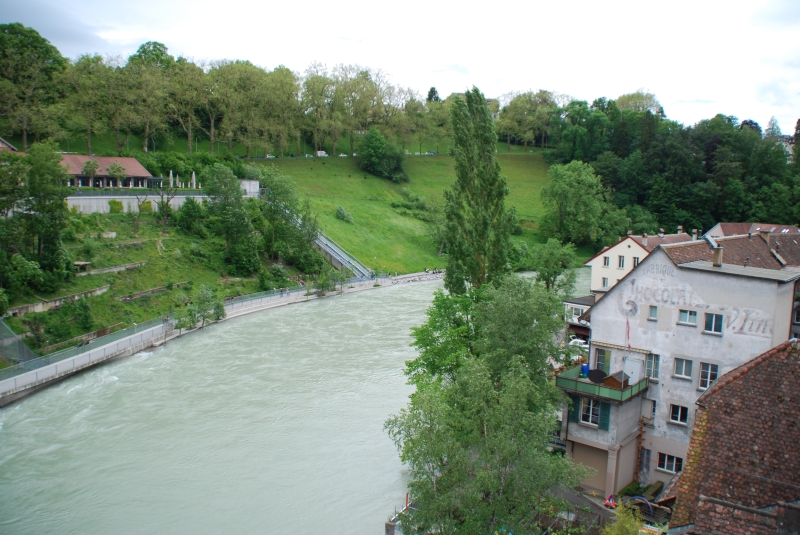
(644, 240)
(661, 233)
(680, 229)
(765, 235)
(694, 234)
(717, 256)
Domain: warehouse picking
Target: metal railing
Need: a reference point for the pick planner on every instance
(345, 258)
(124, 192)
(38, 362)
(568, 380)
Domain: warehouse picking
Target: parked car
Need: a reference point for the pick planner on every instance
(270, 157)
(430, 153)
(343, 155)
(321, 154)
(309, 155)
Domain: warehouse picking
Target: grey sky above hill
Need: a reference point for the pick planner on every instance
(699, 57)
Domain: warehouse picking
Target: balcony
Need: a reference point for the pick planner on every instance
(572, 382)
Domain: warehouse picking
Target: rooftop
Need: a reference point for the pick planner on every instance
(749, 250)
(744, 444)
(780, 275)
(75, 162)
(733, 229)
(586, 300)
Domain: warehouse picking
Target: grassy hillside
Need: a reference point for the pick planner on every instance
(380, 236)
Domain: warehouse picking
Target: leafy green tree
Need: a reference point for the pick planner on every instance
(207, 306)
(29, 69)
(577, 205)
(230, 217)
(87, 98)
(478, 224)
(90, 168)
(773, 128)
(147, 70)
(3, 302)
(83, 314)
(186, 96)
(381, 158)
(552, 262)
(13, 181)
(640, 101)
(115, 170)
(626, 522)
(433, 95)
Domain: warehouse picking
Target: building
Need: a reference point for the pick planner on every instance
(743, 452)
(574, 308)
(733, 229)
(611, 264)
(136, 176)
(687, 314)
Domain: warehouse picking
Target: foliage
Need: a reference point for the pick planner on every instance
(632, 489)
(343, 215)
(477, 223)
(381, 158)
(206, 306)
(90, 169)
(115, 207)
(585, 218)
(190, 217)
(3, 302)
(83, 314)
(627, 522)
(552, 262)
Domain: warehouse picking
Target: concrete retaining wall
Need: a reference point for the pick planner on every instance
(24, 384)
(99, 204)
(53, 303)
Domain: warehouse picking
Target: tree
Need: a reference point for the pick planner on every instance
(478, 225)
(13, 181)
(280, 206)
(90, 168)
(83, 314)
(29, 68)
(433, 95)
(639, 101)
(207, 306)
(148, 72)
(381, 158)
(88, 100)
(773, 128)
(552, 263)
(140, 200)
(186, 96)
(577, 205)
(3, 302)
(627, 522)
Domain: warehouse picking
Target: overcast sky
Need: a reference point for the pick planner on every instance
(699, 57)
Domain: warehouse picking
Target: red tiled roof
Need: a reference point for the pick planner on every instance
(655, 241)
(744, 445)
(747, 250)
(787, 246)
(734, 229)
(75, 162)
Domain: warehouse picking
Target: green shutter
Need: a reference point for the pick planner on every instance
(607, 362)
(605, 415)
(574, 408)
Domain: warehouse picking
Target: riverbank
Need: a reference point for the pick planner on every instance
(51, 371)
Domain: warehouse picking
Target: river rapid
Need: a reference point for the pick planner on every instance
(269, 423)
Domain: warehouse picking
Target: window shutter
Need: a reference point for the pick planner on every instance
(607, 362)
(605, 415)
(574, 408)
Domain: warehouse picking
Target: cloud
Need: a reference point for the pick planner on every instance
(64, 29)
(780, 13)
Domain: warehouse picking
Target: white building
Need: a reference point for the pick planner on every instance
(686, 314)
(613, 263)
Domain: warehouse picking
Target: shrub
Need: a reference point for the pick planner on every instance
(115, 207)
(381, 158)
(343, 214)
(83, 314)
(147, 207)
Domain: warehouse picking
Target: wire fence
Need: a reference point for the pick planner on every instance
(12, 349)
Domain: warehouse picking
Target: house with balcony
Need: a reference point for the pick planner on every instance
(688, 313)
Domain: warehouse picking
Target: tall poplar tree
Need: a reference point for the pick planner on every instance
(477, 222)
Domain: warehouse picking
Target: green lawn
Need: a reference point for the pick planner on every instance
(383, 238)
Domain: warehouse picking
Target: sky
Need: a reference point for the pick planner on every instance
(699, 57)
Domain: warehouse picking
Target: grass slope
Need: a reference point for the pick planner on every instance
(380, 236)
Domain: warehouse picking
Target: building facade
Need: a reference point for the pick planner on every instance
(688, 313)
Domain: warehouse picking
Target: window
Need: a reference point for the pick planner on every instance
(688, 316)
(605, 282)
(606, 261)
(602, 359)
(669, 463)
(708, 374)
(797, 315)
(683, 368)
(713, 323)
(678, 414)
(635, 261)
(654, 408)
(590, 411)
(653, 312)
(652, 364)
(621, 262)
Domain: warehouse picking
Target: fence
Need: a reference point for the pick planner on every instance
(39, 362)
(12, 349)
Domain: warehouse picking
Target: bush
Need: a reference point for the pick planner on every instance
(381, 158)
(147, 207)
(343, 214)
(115, 207)
(632, 489)
(83, 314)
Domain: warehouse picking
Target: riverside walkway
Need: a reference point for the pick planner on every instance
(28, 377)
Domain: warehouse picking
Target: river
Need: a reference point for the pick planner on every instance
(269, 423)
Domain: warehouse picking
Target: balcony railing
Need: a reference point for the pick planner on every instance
(571, 381)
